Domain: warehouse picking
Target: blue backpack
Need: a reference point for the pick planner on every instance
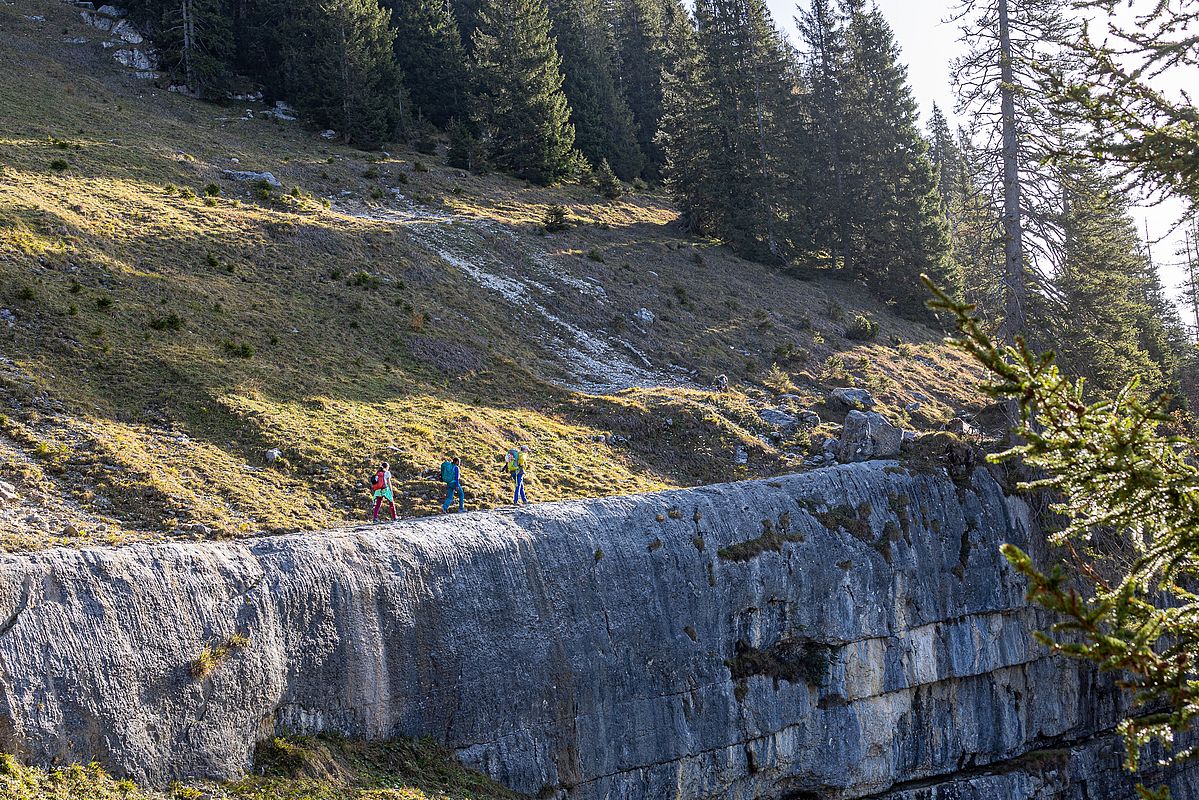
(449, 472)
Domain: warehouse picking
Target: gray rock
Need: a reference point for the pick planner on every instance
(7, 317)
(868, 435)
(779, 418)
(125, 31)
(136, 59)
(740, 455)
(115, 12)
(645, 316)
(720, 382)
(98, 19)
(281, 111)
(74, 40)
(248, 176)
(8, 493)
(962, 427)
(641, 676)
(328, 135)
(809, 419)
(850, 397)
(912, 407)
(273, 455)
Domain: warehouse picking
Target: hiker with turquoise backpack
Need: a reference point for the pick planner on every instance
(380, 484)
(516, 462)
(451, 475)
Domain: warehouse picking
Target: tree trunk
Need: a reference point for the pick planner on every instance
(1015, 282)
(189, 42)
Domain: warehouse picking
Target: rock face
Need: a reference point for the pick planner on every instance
(845, 633)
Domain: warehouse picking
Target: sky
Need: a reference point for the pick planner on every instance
(929, 47)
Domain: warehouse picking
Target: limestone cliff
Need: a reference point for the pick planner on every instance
(845, 633)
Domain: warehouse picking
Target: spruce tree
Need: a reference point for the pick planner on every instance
(897, 229)
(466, 15)
(946, 156)
(340, 70)
(998, 81)
(822, 194)
(523, 112)
(650, 38)
(729, 121)
(429, 51)
(604, 128)
(1102, 290)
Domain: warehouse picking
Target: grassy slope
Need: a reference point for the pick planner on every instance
(285, 769)
(370, 338)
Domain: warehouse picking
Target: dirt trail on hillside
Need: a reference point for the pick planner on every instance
(594, 361)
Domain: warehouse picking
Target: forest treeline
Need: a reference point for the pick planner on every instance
(809, 155)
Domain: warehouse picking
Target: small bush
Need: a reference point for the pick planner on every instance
(186, 193)
(72, 310)
(401, 177)
(210, 202)
(213, 656)
(59, 165)
(26, 294)
(237, 349)
(75, 288)
(363, 280)
(212, 190)
(171, 322)
(419, 166)
(555, 219)
(862, 328)
(595, 255)
(103, 303)
(790, 353)
(296, 191)
(372, 172)
(170, 188)
(211, 259)
(417, 322)
(377, 193)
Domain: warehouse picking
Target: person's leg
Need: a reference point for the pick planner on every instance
(461, 499)
(449, 497)
(520, 486)
(516, 489)
(378, 505)
(391, 501)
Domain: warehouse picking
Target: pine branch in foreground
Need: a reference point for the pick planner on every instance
(1116, 478)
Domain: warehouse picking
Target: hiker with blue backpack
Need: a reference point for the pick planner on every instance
(516, 462)
(451, 475)
(381, 486)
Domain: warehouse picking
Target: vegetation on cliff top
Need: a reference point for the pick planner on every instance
(301, 768)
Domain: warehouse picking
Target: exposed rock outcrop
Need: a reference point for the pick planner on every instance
(846, 633)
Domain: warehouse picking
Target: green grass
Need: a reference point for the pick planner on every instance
(183, 339)
(298, 768)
